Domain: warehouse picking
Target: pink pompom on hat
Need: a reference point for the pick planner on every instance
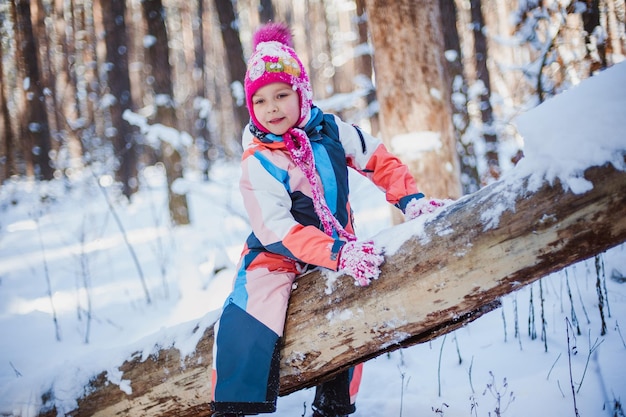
(274, 60)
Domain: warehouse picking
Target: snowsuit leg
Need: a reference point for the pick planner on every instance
(248, 335)
(337, 396)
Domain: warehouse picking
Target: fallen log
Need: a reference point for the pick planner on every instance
(452, 269)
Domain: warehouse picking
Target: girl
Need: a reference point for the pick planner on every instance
(295, 189)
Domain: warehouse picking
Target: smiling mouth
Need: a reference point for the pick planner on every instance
(277, 120)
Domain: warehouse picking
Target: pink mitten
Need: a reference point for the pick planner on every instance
(361, 260)
(417, 207)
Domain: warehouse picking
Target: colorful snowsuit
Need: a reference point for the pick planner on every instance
(287, 239)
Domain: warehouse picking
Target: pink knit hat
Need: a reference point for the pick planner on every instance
(274, 60)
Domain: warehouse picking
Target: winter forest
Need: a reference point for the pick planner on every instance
(120, 219)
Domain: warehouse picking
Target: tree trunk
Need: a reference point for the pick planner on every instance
(266, 11)
(234, 59)
(315, 46)
(486, 111)
(614, 39)
(46, 41)
(416, 118)
(227, 133)
(203, 134)
(457, 276)
(365, 65)
(157, 55)
(34, 127)
(596, 45)
(7, 140)
(65, 89)
(88, 82)
(458, 95)
(118, 83)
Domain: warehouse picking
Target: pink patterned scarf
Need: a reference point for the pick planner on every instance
(299, 147)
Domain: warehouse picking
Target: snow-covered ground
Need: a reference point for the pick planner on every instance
(86, 279)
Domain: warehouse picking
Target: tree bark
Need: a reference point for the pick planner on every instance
(486, 111)
(118, 83)
(7, 140)
(266, 11)
(596, 49)
(65, 89)
(45, 41)
(204, 132)
(457, 84)
(415, 112)
(157, 55)
(88, 82)
(457, 267)
(614, 40)
(34, 127)
(365, 65)
(234, 59)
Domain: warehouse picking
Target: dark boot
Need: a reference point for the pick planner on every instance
(227, 415)
(332, 398)
(318, 414)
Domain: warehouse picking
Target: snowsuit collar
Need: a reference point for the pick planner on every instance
(312, 128)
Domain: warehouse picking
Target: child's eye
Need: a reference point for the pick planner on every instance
(258, 101)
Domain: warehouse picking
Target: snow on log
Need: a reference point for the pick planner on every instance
(450, 273)
(453, 268)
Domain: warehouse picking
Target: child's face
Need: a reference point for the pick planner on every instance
(277, 107)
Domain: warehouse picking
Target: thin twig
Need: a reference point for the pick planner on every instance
(48, 282)
(600, 295)
(439, 365)
(552, 367)
(620, 333)
(571, 302)
(18, 374)
(544, 335)
(469, 372)
(580, 297)
(516, 315)
(569, 356)
(401, 391)
(125, 237)
(160, 251)
(84, 266)
(532, 330)
(504, 324)
(592, 349)
(606, 293)
(458, 350)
